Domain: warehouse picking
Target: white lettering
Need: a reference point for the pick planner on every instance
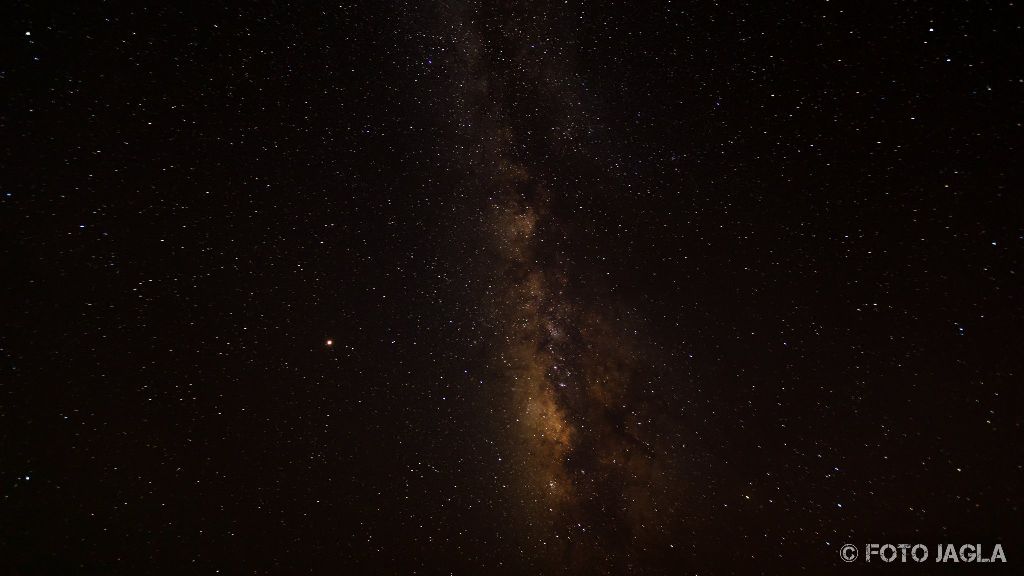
(889, 547)
(869, 550)
(919, 548)
(997, 552)
(970, 555)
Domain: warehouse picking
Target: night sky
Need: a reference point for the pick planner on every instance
(459, 287)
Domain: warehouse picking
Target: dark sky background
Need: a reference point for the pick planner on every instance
(610, 287)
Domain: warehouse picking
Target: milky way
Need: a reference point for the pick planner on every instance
(571, 361)
(588, 463)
